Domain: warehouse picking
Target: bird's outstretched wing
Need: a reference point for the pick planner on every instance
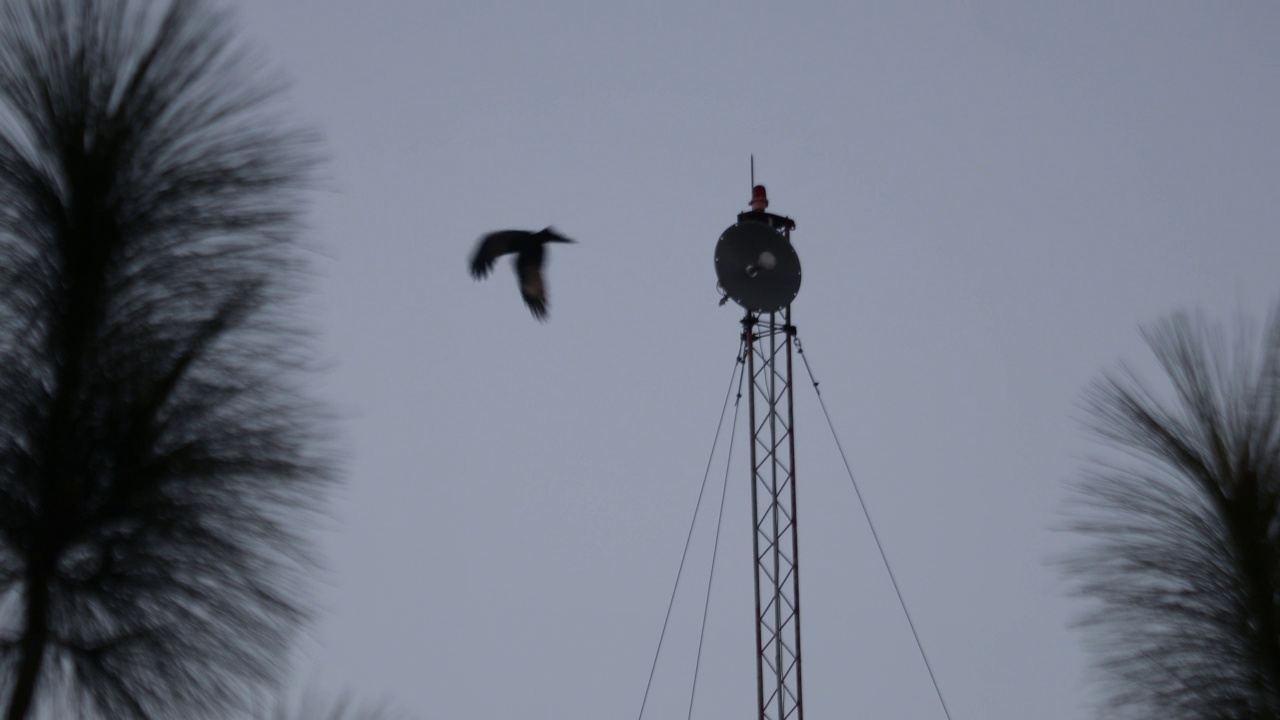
(493, 246)
(532, 289)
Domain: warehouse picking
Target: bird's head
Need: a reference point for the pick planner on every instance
(549, 234)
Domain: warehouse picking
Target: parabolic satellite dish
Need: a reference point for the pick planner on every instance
(757, 267)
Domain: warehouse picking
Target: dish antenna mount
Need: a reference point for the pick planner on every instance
(757, 267)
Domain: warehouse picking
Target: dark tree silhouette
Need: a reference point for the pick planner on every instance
(158, 453)
(1183, 561)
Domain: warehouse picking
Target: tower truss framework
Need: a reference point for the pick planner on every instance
(768, 340)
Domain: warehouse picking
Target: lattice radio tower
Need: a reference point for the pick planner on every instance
(760, 271)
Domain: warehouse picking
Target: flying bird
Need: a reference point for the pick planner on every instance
(527, 245)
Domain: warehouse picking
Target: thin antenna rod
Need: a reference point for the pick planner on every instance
(753, 171)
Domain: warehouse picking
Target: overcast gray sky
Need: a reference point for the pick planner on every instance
(991, 199)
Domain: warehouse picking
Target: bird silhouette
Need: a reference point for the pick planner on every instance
(527, 245)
